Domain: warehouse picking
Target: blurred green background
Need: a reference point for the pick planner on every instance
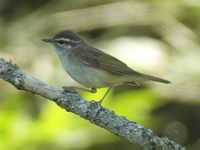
(156, 37)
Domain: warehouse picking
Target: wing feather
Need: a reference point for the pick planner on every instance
(98, 59)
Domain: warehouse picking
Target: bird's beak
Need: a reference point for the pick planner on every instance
(48, 40)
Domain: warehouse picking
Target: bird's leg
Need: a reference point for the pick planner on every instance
(71, 89)
(133, 83)
(101, 100)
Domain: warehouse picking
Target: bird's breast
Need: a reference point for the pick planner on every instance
(86, 75)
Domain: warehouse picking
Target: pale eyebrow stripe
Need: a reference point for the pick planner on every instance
(67, 40)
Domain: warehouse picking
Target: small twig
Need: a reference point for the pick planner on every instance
(91, 111)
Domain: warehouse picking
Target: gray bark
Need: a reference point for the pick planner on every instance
(89, 110)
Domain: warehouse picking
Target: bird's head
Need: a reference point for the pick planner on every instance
(65, 40)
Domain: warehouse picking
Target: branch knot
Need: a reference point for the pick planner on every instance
(10, 72)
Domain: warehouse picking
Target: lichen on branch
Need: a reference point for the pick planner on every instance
(89, 110)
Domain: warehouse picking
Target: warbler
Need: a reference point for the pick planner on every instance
(92, 67)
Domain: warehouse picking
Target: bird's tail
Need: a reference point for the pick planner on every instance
(148, 77)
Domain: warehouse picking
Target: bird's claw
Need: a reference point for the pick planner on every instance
(69, 89)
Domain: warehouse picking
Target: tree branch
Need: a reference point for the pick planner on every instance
(91, 111)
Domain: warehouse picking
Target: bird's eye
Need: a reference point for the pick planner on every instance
(61, 42)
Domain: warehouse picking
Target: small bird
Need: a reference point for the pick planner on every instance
(92, 67)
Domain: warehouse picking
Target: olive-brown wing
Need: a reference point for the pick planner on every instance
(98, 59)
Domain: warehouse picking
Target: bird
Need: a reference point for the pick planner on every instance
(92, 67)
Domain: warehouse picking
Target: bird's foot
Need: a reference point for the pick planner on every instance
(69, 89)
